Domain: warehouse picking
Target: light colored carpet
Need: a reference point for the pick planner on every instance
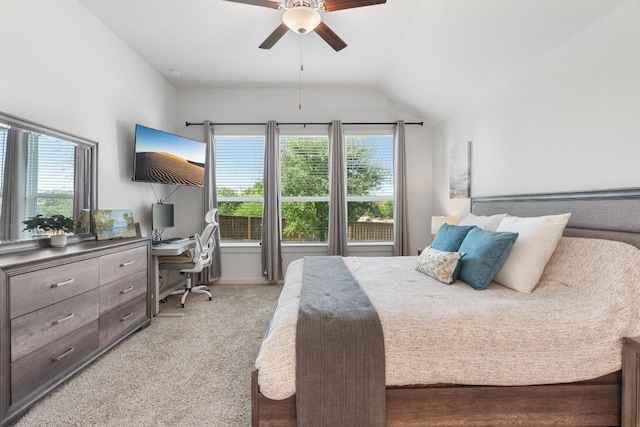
(180, 371)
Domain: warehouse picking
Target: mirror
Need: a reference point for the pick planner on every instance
(44, 171)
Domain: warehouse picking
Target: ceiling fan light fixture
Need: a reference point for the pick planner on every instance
(301, 19)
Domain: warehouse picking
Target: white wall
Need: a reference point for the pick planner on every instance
(242, 264)
(62, 68)
(569, 122)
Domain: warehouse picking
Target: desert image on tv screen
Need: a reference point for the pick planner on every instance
(166, 158)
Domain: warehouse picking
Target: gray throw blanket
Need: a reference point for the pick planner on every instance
(340, 365)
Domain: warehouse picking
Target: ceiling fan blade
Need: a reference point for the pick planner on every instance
(262, 3)
(332, 5)
(274, 37)
(330, 37)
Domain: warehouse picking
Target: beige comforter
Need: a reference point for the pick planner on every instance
(568, 329)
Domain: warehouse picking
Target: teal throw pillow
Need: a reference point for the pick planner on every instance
(450, 237)
(485, 252)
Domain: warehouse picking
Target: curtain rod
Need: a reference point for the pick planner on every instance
(303, 124)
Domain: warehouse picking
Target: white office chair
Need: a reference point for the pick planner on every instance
(200, 258)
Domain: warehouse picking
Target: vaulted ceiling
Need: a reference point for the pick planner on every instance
(432, 56)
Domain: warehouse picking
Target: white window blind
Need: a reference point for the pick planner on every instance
(370, 166)
(239, 166)
(304, 163)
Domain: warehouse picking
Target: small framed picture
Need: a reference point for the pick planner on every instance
(113, 224)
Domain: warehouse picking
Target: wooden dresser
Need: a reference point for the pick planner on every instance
(61, 308)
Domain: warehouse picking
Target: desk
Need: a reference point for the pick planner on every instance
(166, 249)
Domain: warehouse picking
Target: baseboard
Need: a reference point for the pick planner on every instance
(244, 281)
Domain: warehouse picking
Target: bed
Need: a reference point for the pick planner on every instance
(509, 379)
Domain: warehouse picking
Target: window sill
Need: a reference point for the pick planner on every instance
(297, 250)
(224, 244)
(256, 245)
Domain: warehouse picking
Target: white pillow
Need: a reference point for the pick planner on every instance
(537, 239)
(489, 223)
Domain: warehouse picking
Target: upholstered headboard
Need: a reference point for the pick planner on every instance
(613, 215)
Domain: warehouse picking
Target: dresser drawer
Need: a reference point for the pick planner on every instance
(37, 289)
(36, 329)
(122, 264)
(121, 319)
(122, 290)
(41, 366)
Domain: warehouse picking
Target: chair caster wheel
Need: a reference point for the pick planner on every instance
(182, 305)
(210, 298)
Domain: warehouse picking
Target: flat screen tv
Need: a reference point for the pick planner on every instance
(165, 158)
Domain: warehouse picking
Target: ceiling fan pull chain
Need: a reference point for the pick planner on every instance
(300, 70)
(301, 54)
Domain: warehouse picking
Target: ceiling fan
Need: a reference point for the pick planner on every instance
(303, 16)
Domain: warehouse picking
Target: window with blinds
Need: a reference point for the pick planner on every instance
(304, 187)
(3, 153)
(240, 184)
(304, 175)
(50, 176)
(370, 187)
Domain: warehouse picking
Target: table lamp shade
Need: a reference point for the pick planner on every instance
(437, 221)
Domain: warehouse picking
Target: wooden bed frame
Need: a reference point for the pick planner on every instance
(613, 215)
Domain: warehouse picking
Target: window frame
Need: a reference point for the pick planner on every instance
(306, 132)
(314, 130)
(364, 132)
(237, 134)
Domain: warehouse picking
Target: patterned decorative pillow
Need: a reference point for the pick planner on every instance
(440, 265)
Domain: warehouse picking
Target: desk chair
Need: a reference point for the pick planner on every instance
(197, 259)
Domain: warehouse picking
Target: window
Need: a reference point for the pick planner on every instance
(42, 171)
(370, 187)
(3, 152)
(50, 176)
(304, 175)
(239, 181)
(304, 187)
(42, 175)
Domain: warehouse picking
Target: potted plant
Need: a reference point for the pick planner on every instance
(56, 226)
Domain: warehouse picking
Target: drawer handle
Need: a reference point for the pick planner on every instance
(125, 264)
(64, 319)
(129, 289)
(125, 317)
(63, 355)
(63, 283)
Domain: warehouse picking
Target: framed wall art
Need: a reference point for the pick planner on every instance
(460, 171)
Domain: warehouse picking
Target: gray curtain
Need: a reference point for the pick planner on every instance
(271, 223)
(15, 165)
(401, 228)
(82, 191)
(210, 201)
(337, 190)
